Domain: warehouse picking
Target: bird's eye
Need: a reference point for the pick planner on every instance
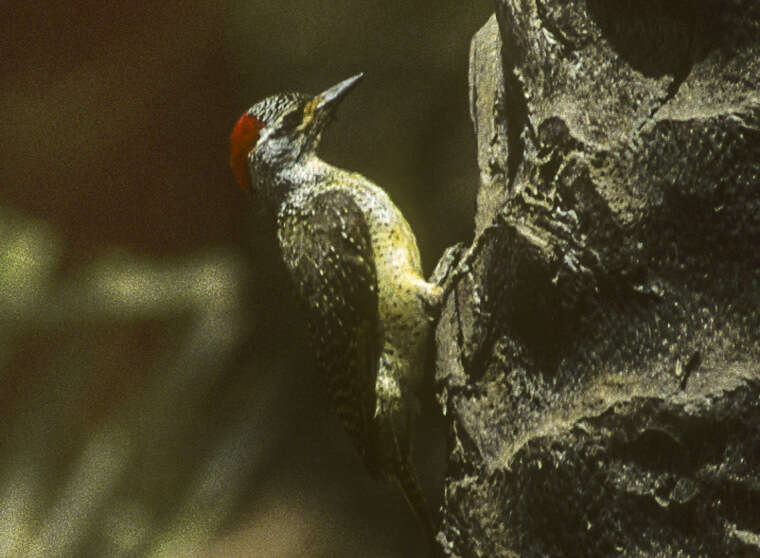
(292, 119)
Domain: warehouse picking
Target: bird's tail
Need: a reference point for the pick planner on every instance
(407, 479)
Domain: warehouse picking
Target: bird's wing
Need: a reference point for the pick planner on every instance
(328, 248)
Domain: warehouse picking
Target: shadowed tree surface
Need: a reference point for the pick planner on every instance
(600, 365)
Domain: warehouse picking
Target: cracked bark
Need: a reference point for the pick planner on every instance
(600, 366)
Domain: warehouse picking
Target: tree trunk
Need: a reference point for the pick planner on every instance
(600, 365)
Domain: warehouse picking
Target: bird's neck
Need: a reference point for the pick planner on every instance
(306, 172)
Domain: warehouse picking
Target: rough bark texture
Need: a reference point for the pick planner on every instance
(600, 366)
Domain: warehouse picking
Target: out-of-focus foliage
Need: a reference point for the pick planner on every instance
(68, 480)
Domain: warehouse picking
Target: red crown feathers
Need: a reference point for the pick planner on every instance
(243, 139)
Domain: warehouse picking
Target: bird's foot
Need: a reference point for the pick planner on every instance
(445, 268)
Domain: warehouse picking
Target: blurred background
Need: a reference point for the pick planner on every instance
(157, 396)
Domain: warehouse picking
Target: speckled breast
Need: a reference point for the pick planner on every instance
(399, 273)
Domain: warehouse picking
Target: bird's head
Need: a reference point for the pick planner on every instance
(280, 132)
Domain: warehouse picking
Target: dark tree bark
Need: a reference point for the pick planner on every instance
(600, 365)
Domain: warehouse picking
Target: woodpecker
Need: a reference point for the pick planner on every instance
(355, 265)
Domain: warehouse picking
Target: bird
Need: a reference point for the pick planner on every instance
(355, 265)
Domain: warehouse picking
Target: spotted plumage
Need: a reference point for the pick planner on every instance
(355, 264)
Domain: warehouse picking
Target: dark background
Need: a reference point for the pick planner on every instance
(158, 397)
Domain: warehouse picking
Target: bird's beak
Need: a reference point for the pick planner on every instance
(332, 96)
